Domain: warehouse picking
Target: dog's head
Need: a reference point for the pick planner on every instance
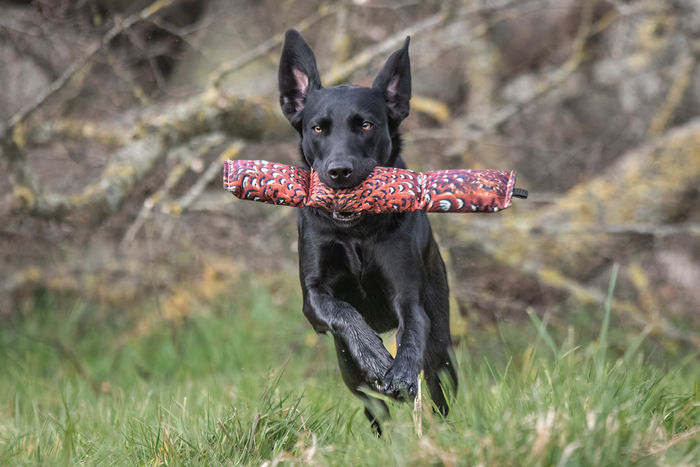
(345, 130)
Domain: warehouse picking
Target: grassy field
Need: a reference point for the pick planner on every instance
(249, 383)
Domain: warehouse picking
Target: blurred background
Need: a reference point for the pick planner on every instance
(115, 116)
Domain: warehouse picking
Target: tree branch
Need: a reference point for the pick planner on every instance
(191, 152)
(210, 112)
(364, 58)
(231, 66)
(182, 204)
(77, 66)
(643, 192)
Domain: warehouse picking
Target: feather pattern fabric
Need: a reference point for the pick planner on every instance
(386, 189)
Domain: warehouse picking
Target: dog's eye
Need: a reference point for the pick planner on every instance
(367, 125)
(317, 129)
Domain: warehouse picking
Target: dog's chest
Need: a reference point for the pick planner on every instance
(355, 278)
(347, 266)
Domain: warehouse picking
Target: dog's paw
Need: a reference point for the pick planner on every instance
(374, 361)
(400, 384)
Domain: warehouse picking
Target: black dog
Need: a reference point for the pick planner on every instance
(363, 274)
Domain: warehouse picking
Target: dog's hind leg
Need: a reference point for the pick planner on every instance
(439, 366)
(375, 409)
(440, 375)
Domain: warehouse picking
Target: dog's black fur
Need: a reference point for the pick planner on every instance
(363, 274)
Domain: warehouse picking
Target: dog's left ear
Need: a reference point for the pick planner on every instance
(394, 80)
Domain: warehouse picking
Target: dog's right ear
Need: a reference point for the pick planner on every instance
(298, 76)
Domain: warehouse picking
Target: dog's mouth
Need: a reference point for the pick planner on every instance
(346, 217)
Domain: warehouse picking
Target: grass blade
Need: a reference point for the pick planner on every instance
(542, 331)
(603, 338)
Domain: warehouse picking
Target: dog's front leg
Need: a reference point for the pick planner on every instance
(328, 314)
(401, 381)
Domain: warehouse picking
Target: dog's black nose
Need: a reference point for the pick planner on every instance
(339, 171)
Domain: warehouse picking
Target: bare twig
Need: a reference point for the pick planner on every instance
(343, 70)
(74, 129)
(119, 26)
(230, 66)
(183, 203)
(208, 113)
(642, 199)
(181, 33)
(27, 188)
(584, 294)
(208, 175)
(682, 80)
(341, 39)
(558, 77)
(556, 279)
(197, 148)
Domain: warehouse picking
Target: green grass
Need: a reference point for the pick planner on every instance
(248, 383)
